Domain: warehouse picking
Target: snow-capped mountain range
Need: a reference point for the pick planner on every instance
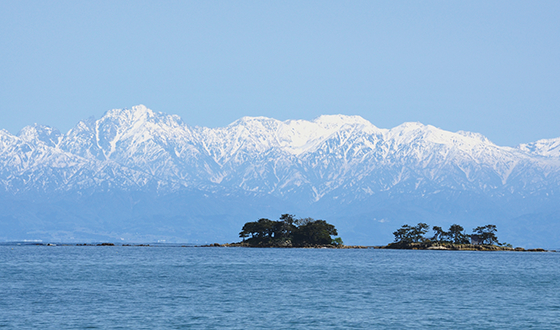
(138, 148)
(334, 161)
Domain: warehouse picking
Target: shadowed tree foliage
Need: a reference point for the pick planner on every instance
(412, 235)
(456, 235)
(486, 234)
(439, 234)
(289, 231)
(408, 234)
(337, 241)
(402, 235)
(261, 230)
(316, 232)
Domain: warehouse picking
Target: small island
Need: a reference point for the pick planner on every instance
(292, 232)
(289, 232)
(483, 238)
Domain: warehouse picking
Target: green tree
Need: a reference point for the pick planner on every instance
(402, 235)
(303, 221)
(317, 232)
(487, 234)
(419, 231)
(283, 229)
(408, 234)
(439, 234)
(288, 218)
(259, 232)
(337, 241)
(457, 235)
(289, 231)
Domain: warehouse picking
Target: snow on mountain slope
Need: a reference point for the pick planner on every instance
(40, 134)
(140, 139)
(435, 151)
(138, 148)
(545, 148)
(31, 161)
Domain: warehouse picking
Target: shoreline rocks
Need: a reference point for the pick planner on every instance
(456, 247)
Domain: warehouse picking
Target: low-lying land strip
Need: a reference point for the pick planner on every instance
(456, 247)
(289, 232)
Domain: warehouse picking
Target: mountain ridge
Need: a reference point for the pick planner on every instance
(331, 160)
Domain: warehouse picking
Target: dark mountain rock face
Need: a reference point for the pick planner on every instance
(139, 175)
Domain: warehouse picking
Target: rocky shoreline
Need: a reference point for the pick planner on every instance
(395, 246)
(325, 246)
(457, 247)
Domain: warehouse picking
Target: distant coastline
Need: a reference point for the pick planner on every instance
(391, 246)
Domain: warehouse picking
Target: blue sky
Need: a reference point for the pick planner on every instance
(486, 66)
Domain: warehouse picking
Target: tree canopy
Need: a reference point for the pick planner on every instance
(411, 234)
(455, 234)
(289, 231)
(486, 234)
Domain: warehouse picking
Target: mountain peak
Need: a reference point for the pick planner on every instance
(137, 118)
(138, 112)
(46, 134)
(475, 136)
(544, 147)
(340, 120)
(410, 125)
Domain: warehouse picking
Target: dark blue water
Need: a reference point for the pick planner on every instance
(235, 288)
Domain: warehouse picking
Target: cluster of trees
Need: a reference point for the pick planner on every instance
(289, 231)
(456, 234)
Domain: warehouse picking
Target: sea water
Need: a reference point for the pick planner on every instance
(86, 287)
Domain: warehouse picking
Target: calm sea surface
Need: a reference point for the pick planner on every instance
(239, 288)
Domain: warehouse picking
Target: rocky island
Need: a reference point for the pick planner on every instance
(483, 238)
(289, 232)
